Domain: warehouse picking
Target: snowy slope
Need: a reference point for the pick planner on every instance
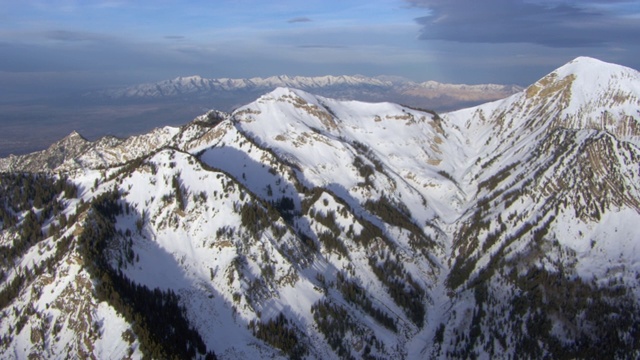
(552, 170)
(304, 226)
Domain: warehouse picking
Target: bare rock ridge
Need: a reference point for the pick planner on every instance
(67, 149)
(301, 226)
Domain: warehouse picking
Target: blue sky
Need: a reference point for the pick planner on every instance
(60, 45)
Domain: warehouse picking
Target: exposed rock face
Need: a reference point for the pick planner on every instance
(64, 150)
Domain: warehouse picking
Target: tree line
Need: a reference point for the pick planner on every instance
(159, 321)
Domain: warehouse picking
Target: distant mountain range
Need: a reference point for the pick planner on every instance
(430, 94)
(304, 227)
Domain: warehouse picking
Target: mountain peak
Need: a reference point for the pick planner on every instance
(189, 78)
(71, 141)
(74, 135)
(587, 60)
(592, 68)
(584, 94)
(588, 88)
(287, 90)
(284, 92)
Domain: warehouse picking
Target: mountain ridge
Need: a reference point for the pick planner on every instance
(188, 84)
(305, 226)
(139, 109)
(356, 87)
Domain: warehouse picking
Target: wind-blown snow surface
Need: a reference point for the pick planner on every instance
(375, 229)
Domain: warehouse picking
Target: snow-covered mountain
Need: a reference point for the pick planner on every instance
(307, 227)
(429, 94)
(139, 109)
(197, 84)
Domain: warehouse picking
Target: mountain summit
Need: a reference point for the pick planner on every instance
(302, 226)
(592, 94)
